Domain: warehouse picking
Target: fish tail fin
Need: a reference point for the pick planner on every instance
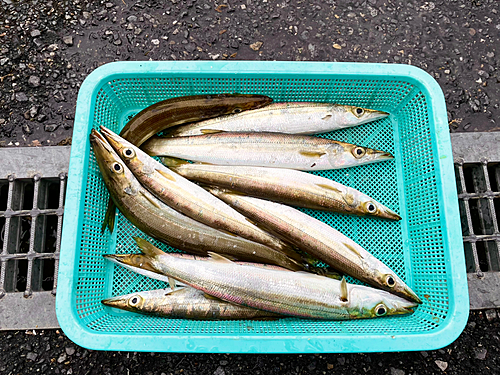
(148, 248)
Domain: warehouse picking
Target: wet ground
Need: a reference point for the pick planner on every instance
(50, 352)
(47, 48)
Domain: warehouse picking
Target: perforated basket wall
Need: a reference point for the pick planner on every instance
(424, 248)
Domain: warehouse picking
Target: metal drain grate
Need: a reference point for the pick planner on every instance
(32, 189)
(477, 170)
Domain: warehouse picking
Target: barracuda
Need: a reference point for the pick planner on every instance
(287, 186)
(291, 118)
(288, 293)
(275, 150)
(185, 303)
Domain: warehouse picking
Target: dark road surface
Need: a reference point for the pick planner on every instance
(47, 48)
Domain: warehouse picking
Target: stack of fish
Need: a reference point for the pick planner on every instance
(253, 255)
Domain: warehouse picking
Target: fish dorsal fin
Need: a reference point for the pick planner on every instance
(150, 199)
(328, 187)
(170, 161)
(211, 131)
(218, 258)
(312, 154)
(165, 174)
(148, 248)
(343, 290)
(353, 249)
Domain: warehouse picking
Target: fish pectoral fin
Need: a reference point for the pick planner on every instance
(170, 161)
(150, 199)
(148, 248)
(312, 154)
(218, 258)
(109, 218)
(325, 186)
(208, 296)
(179, 289)
(343, 290)
(165, 174)
(211, 131)
(354, 250)
(172, 283)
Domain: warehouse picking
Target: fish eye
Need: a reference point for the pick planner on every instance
(358, 152)
(237, 110)
(359, 111)
(370, 208)
(390, 281)
(128, 153)
(134, 301)
(380, 310)
(117, 167)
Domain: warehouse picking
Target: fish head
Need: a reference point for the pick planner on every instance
(367, 302)
(236, 103)
(117, 177)
(387, 280)
(364, 205)
(134, 302)
(344, 155)
(137, 160)
(353, 115)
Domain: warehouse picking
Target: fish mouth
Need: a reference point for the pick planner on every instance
(116, 302)
(387, 213)
(113, 139)
(410, 295)
(100, 145)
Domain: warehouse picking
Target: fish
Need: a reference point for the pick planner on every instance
(319, 240)
(288, 186)
(275, 150)
(177, 111)
(185, 303)
(155, 218)
(187, 197)
(299, 294)
(290, 118)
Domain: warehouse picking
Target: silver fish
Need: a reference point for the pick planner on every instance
(295, 188)
(291, 118)
(184, 303)
(275, 150)
(288, 293)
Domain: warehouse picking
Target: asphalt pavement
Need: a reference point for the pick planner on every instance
(47, 48)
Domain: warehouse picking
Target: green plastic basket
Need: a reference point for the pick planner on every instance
(424, 248)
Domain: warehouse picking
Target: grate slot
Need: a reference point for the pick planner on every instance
(478, 182)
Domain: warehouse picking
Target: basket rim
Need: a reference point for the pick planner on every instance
(73, 326)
